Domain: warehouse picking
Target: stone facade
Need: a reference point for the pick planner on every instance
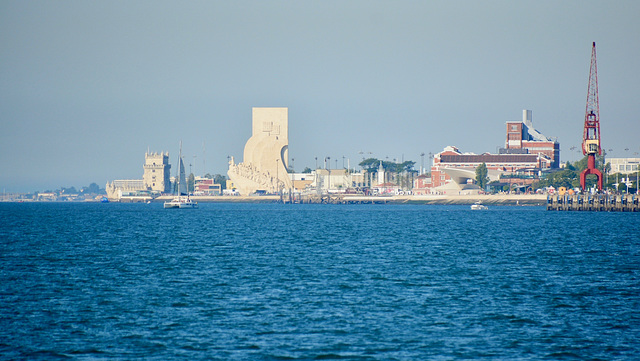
(157, 172)
(155, 178)
(264, 167)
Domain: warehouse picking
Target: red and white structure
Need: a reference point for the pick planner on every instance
(591, 134)
(206, 187)
(451, 165)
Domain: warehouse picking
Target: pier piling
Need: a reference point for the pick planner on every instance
(593, 202)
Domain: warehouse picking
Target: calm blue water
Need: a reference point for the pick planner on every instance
(317, 282)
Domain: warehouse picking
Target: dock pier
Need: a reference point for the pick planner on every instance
(594, 202)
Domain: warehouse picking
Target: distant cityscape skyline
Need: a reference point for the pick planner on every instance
(88, 87)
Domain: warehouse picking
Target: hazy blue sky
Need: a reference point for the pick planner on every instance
(87, 86)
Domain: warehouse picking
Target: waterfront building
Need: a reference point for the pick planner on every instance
(386, 189)
(264, 168)
(302, 181)
(157, 172)
(527, 152)
(456, 171)
(336, 180)
(206, 187)
(624, 165)
(47, 196)
(155, 179)
(523, 138)
(422, 185)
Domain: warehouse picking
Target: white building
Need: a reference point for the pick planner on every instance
(334, 180)
(624, 165)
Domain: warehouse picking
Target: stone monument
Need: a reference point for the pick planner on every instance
(264, 167)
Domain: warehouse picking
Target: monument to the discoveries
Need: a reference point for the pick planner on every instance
(264, 167)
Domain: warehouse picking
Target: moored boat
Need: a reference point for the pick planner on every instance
(478, 206)
(182, 200)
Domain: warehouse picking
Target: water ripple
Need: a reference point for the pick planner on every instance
(274, 282)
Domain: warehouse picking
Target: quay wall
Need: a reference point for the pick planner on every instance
(491, 199)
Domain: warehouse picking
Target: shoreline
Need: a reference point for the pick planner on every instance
(487, 199)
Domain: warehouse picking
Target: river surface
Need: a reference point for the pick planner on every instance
(317, 282)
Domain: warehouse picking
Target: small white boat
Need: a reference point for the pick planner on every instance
(182, 200)
(478, 206)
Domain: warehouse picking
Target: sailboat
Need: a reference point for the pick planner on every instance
(182, 200)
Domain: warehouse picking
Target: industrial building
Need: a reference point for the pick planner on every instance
(523, 138)
(526, 151)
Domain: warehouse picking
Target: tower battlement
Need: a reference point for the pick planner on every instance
(157, 172)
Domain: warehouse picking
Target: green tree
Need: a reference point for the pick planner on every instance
(370, 165)
(220, 179)
(407, 166)
(307, 170)
(569, 166)
(569, 176)
(70, 190)
(481, 175)
(581, 164)
(562, 178)
(92, 188)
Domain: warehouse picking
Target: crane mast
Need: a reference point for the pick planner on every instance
(591, 135)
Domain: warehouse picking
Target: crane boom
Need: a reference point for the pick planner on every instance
(591, 135)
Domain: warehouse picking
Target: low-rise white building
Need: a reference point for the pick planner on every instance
(624, 165)
(332, 180)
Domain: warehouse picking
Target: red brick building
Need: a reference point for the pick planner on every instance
(452, 165)
(206, 187)
(422, 184)
(526, 151)
(522, 138)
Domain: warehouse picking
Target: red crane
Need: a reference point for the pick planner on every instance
(591, 135)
